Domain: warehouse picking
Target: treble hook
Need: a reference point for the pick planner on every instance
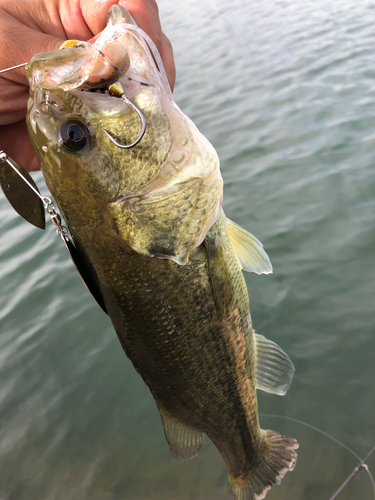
(117, 91)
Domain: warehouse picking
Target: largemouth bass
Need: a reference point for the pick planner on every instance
(147, 220)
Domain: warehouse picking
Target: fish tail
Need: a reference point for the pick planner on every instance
(279, 457)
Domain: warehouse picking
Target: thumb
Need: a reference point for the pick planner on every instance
(20, 42)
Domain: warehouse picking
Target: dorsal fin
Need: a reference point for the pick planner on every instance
(184, 442)
(274, 369)
(249, 250)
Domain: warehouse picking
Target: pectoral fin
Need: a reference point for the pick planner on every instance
(249, 250)
(184, 442)
(274, 369)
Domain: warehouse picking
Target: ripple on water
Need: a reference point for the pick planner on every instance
(286, 93)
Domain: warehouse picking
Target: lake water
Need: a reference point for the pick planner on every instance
(285, 91)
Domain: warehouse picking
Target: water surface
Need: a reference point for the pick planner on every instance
(286, 93)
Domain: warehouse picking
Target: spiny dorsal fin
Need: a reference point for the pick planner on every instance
(184, 442)
(274, 369)
(249, 250)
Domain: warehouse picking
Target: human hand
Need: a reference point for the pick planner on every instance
(37, 26)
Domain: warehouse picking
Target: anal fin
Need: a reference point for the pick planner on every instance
(184, 442)
(274, 369)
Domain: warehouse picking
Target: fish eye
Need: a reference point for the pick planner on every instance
(74, 135)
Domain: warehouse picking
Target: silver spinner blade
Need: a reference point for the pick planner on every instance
(24, 201)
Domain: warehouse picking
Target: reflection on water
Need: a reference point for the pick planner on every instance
(286, 93)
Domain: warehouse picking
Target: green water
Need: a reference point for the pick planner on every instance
(286, 93)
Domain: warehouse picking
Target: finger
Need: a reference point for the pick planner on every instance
(13, 84)
(15, 142)
(13, 52)
(145, 14)
(13, 102)
(94, 14)
(168, 61)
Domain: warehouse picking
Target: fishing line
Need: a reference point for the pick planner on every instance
(358, 467)
(13, 67)
(145, 84)
(121, 72)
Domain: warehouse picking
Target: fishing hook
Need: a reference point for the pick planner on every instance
(143, 122)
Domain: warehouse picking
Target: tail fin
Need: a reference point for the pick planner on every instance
(279, 458)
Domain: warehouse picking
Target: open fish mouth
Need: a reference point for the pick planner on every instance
(97, 90)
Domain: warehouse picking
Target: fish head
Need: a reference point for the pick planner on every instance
(160, 196)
